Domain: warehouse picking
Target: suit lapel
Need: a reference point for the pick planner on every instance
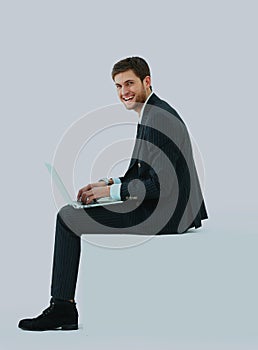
(140, 129)
(136, 146)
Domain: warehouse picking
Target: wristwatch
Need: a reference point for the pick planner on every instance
(108, 181)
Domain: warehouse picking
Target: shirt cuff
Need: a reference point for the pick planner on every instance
(116, 180)
(115, 191)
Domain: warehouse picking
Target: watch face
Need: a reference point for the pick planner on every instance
(105, 179)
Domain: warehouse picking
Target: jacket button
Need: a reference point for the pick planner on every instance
(139, 165)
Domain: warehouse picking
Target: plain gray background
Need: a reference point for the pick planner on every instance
(196, 291)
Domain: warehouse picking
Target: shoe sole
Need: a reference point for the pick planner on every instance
(67, 327)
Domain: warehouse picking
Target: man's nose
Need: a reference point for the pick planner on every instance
(125, 90)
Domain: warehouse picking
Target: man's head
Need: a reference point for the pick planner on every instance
(133, 82)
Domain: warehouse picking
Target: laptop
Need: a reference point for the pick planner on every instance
(77, 205)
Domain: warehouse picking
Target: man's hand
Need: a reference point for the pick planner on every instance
(93, 191)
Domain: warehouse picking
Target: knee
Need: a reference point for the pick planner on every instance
(67, 218)
(64, 215)
(64, 211)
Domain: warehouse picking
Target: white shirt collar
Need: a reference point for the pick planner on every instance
(143, 107)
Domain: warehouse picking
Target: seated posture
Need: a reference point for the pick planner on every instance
(160, 193)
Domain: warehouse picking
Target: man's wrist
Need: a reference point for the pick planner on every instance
(108, 181)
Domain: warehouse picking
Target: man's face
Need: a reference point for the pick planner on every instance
(131, 90)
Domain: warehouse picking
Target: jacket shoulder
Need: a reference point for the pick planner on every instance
(162, 105)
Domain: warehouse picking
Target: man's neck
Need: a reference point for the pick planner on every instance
(143, 106)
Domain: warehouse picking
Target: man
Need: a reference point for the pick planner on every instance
(160, 192)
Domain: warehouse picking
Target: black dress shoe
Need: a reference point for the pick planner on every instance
(60, 315)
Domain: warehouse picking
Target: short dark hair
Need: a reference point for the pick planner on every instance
(137, 64)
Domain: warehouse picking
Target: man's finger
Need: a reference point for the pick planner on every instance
(86, 195)
(83, 189)
(91, 199)
(80, 193)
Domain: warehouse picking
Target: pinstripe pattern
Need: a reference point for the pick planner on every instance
(174, 143)
(65, 262)
(72, 223)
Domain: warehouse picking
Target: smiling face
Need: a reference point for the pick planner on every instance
(131, 90)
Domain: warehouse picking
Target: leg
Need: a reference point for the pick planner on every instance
(70, 225)
(66, 259)
(61, 314)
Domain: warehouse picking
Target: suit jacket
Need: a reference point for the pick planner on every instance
(161, 179)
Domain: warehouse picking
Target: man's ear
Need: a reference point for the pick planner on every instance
(147, 81)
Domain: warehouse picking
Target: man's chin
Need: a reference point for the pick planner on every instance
(132, 106)
(129, 107)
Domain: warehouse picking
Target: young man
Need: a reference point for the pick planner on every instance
(160, 192)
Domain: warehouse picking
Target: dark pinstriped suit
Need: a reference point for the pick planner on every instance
(166, 200)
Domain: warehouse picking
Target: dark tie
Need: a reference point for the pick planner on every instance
(139, 130)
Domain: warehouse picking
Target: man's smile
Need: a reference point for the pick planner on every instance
(128, 98)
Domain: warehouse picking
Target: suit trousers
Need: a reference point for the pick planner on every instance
(70, 225)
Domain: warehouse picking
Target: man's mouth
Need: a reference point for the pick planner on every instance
(126, 99)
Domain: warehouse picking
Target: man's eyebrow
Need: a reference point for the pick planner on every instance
(127, 81)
